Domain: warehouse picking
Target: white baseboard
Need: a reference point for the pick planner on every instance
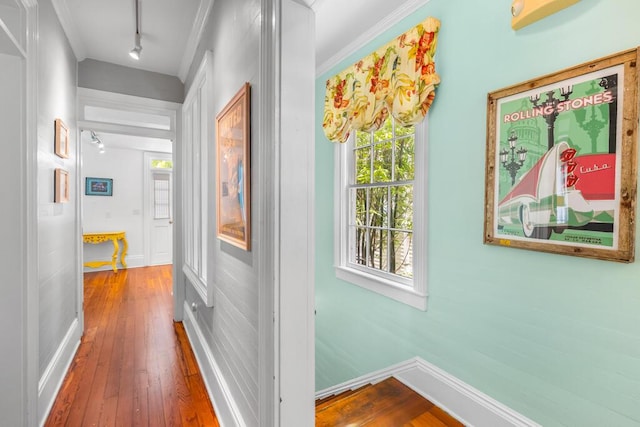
(53, 376)
(227, 411)
(371, 378)
(468, 405)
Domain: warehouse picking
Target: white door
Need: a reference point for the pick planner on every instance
(160, 212)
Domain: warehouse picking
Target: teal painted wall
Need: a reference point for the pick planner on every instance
(554, 337)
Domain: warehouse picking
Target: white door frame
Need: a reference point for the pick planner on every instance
(172, 110)
(148, 201)
(286, 194)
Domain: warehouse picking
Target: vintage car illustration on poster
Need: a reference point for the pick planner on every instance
(562, 190)
(557, 153)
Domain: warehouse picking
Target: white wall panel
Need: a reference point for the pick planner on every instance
(11, 262)
(56, 221)
(233, 34)
(121, 212)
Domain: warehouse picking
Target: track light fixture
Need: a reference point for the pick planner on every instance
(98, 142)
(135, 52)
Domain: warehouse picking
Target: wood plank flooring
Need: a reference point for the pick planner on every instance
(388, 403)
(134, 366)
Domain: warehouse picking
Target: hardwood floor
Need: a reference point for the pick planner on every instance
(134, 366)
(388, 403)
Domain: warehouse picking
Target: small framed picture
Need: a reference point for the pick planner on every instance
(61, 184)
(62, 139)
(98, 186)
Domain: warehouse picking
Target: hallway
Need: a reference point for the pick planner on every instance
(134, 366)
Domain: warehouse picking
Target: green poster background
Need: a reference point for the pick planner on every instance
(585, 129)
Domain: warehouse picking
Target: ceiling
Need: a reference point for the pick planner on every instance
(105, 30)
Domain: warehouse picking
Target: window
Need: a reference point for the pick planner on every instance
(161, 196)
(380, 230)
(196, 138)
(161, 164)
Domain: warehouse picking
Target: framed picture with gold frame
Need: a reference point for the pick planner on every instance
(61, 139)
(561, 161)
(61, 184)
(233, 172)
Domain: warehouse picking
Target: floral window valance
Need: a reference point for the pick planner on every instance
(400, 78)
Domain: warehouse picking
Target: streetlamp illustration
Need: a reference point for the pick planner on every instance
(514, 162)
(550, 110)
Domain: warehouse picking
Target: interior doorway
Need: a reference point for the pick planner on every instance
(158, 215)
(129, 127)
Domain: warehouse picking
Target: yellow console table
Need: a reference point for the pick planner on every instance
(113, 236)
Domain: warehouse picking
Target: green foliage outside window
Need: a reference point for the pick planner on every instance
(382, 199)
(161, 164)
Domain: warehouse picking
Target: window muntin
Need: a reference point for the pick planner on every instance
(380, 202)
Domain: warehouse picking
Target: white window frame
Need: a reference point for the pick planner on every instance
(196, 138)
(412, 292)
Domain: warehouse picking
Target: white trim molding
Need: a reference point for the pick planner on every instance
(197, 137)
(54, 374)
(462, 401)
(403, 11)
(199, 25)
(224, 405)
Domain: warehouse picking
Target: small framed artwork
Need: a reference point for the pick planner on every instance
(561, 161)
(61, 184)
(62, 139)
(98, 186)
(233, 197)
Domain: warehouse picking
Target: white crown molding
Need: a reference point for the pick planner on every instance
(70, 29)
(199, 24)
(392, 19)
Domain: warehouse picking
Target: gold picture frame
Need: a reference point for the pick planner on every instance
(61, 139)
(233, 171)
(61, 185)
(561, 161)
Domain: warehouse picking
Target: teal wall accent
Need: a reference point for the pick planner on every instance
(557, 338)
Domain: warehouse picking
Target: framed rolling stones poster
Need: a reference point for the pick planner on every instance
(561, 161)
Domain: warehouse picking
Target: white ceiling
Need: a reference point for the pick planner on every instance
(104, 30)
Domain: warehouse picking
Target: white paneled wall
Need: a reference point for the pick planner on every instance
(121, 212)
(230, 327)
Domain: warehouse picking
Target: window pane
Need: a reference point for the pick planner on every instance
(161, 206)
(382, 162)
(161, 164)
(378, 243)
(363, 165)
(401, 254)
(359, 246)
(378, 207)
(405, 130)
(401, 216)
(358, 205)
(385, 133)
(404, 166)
(362, 139)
